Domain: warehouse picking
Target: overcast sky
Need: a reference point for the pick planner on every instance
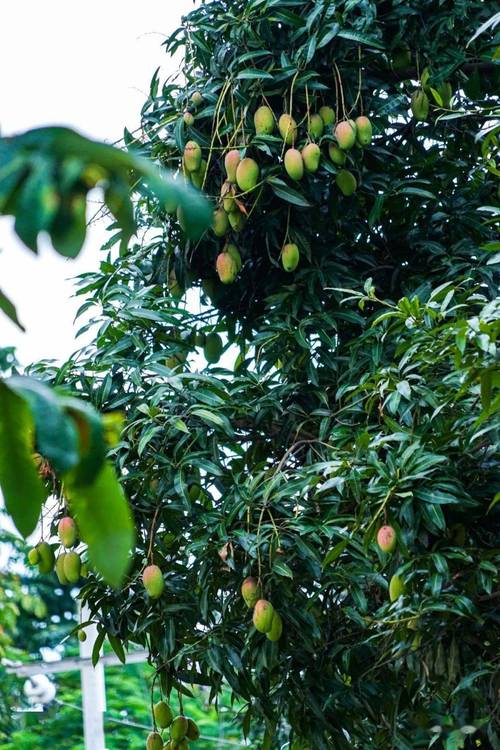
(86, 65)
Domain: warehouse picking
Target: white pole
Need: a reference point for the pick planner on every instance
(93, 691)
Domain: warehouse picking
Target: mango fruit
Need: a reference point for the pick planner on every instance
(82, 636)
(263, 121)
(311, 155)
(174, 287)
(226, 268)
(263, 614)
(198, 177)
(153, 581)
(237, 220)
(192, 156)
(316, 126)
(247, 174)
(163, 714)
(363, 130)
(197, 98)
(59, 568)
(235, 255)
(290, 256)
(45, 557)
(72, 566)
(420, 105)
(336, 155)
(154, 741)
(182, 745)
(178, 728)
(294, 165)
(188, 118)
(231, 161)
(200, 338)
(346, 182)
(213, 348)
(192, 733)
(386, 538)
(67, 531)
(227, 195)
(288, 128)
(327, 114)
(251, 591)
(220, 223)
(345, 133)
(397, 588)
(274, 634)
(33, 556)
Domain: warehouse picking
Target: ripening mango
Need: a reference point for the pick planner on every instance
(345, 133)
(290, 256)
(386, 538)
(263, 614)
(397, 588)
(45, 557)
(237, 220)
(311, 155)
(72, 566)
(153, 581)
(263, 121)
(288, 128)
(67, 531)
(293, 164)
(247, 174)
(251, 591)
(363, 130)
(197, 98)
(154, 741)
(227, 195)
(192, 156)
(188, 118)
(231, 161)
(226, 268)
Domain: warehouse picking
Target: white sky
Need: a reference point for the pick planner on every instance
(85, 65)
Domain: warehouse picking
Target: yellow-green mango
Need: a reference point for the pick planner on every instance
(198, 176)
(197, 99)
(345, 133)
(346, 182)
(316, 126)
(237, 219)
(188, 118)
(247, 174)
(72, 566)
(192, 156)
(294, 165)
(231, 161)
(220, 223)
(311, 155)
(337, 155)
(420, 105)
(276, 628)
(327, 114)
(178, 728)
(192, 733)
(226, 268)
(288, 128)
(153, 581)
(235, 255)
(263, 614)
(154, 741)
(45, 557)
(227, 195)
(263, 121)
(251, 591)
(363, 130)
(163, 714)
(397, 588)
(290, 256)
(33, 556)
(59, 568)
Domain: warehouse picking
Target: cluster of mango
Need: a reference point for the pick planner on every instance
(181, 730)
(265, 618)
(68, 564)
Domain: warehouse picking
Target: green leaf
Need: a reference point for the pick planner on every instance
(96, 650)
(117, 647)
(8, 308)
(286, 193)
(92, 446)
(22, 488)
(282, 569)
(105, 523)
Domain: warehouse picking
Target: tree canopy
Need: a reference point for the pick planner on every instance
(355, 391)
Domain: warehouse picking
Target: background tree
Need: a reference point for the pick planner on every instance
(358, 392)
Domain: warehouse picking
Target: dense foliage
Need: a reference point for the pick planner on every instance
(358, 391)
